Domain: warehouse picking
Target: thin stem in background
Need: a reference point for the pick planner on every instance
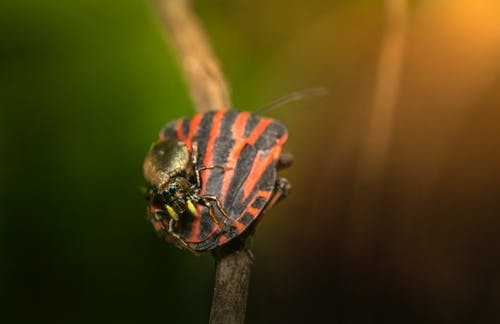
(390, 67)
(375, 142)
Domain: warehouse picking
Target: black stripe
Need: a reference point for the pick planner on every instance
(205, 245)
(246, 219)
(271, 134)
(202, 135)
(186, 221)
(185, 127)
(259, 203)
(234, 195)
(252, 121)
(222, 146)
(170, 130)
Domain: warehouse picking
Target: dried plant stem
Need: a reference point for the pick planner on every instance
(209, 91)
(389, 72)
(206, 82)
(375, 143)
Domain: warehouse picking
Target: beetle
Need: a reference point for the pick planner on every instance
(213, 175)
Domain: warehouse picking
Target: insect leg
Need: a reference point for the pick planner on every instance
(179, 239)
(285, 161)
(194, 153)
(197, 169)
(159, 215)
(211, 211)
(212, 167)
(281, 189)
(205, 167)
(194, 163)
(220, 207)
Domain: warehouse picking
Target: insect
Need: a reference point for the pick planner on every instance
(213, 175)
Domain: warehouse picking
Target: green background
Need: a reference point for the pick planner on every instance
(85, 87)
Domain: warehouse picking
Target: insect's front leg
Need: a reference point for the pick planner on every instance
(197, 169)
(194, 163)
(160, 216)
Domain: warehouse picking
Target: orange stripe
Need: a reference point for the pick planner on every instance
(214, 133)
(157, 226)
(253, 211)
(239, 124)
(259, 129)
(240, 227)
(260, 165)
(222, 239)
(178, 128)
(193, 129)
(264, 194)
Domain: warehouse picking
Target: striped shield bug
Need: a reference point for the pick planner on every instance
(213, 175)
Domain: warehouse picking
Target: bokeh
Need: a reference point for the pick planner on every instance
(394, 214)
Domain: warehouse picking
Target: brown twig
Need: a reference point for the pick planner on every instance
(206, 82)
(232, 278)
(209, 91)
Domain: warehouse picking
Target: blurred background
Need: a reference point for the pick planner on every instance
(394, 215)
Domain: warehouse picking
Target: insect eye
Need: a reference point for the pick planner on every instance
(165, 194)
(172, 189)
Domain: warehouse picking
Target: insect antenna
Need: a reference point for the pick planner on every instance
(294, 96)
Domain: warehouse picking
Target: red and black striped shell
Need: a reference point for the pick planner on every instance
(248, 146)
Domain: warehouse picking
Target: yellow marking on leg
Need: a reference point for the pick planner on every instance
(192, 208)
(172, 212)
